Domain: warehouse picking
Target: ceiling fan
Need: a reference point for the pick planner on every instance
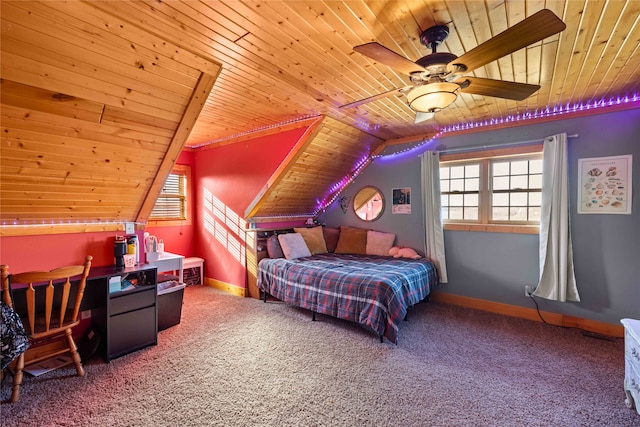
(437, 78)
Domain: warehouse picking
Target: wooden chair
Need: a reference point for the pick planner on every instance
(51, 312)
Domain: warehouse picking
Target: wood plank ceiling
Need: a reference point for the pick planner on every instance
(95, 111)
(306, 180)
(98, 97)
(283, 60)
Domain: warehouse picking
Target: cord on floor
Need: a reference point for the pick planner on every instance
(585, 333)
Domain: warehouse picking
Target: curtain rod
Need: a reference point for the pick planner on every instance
(483, 147)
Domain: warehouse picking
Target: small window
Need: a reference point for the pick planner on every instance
(460, 191)
(516, 191)
(171, 204)
(488, 192)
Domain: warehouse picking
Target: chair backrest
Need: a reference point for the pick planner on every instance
(47, 293)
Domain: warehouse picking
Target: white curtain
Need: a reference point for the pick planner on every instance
(434, 249)
(557, 278)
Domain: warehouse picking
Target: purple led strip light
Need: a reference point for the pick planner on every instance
(529, 115)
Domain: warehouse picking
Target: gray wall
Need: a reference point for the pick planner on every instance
(497, 266)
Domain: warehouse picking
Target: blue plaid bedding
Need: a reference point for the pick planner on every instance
(375, 291)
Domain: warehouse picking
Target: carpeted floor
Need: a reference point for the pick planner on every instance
(241, 362)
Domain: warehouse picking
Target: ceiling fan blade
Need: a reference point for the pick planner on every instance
(499, 88)
(388, 57)
(386, 94)
(421, 117)
(537, 27)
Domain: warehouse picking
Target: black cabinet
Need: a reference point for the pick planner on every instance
(127, 320)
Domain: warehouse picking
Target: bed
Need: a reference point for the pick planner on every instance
(375, 291)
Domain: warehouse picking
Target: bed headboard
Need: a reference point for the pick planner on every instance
(256, 249)
(256, 239)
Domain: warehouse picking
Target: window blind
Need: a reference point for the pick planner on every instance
(171, 203)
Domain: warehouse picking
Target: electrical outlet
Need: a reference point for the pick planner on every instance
(529, 290)
(85, 314)
(129, 228)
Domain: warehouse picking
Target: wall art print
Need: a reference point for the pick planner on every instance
(604, 185)
(401, 201)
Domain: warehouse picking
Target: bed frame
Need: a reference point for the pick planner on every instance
(341, 286)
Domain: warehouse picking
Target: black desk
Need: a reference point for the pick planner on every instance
(126, 320)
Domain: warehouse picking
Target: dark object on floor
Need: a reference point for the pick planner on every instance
(170, 295)
(88, 344)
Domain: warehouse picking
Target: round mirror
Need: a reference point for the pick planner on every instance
(368, 203)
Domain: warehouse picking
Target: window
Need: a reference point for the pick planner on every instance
(493, 191)
(460, 191)
(516, 190)
(171, 204)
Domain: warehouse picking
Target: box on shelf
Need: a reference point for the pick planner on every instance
(114, 284)
(129, 260)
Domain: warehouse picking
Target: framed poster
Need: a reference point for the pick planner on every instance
(604, 185)
(401, 201)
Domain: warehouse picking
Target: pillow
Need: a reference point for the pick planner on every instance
(379, 243)
(293, 245)
(314, 239)
(274, 250)
(352, 241)
(331, 236)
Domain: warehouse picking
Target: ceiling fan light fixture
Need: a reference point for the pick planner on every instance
(432, 97)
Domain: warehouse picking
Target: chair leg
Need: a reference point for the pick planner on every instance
(74, 353)
(17, 379)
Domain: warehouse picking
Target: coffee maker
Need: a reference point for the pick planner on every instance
(119, 249)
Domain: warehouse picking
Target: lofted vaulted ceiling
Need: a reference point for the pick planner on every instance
(286, 59)
(99, 97)
(310, 177)
(95, 111)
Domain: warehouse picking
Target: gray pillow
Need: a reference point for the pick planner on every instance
(293, 246)
(274, 250)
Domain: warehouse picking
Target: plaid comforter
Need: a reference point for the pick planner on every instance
(372, 290)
